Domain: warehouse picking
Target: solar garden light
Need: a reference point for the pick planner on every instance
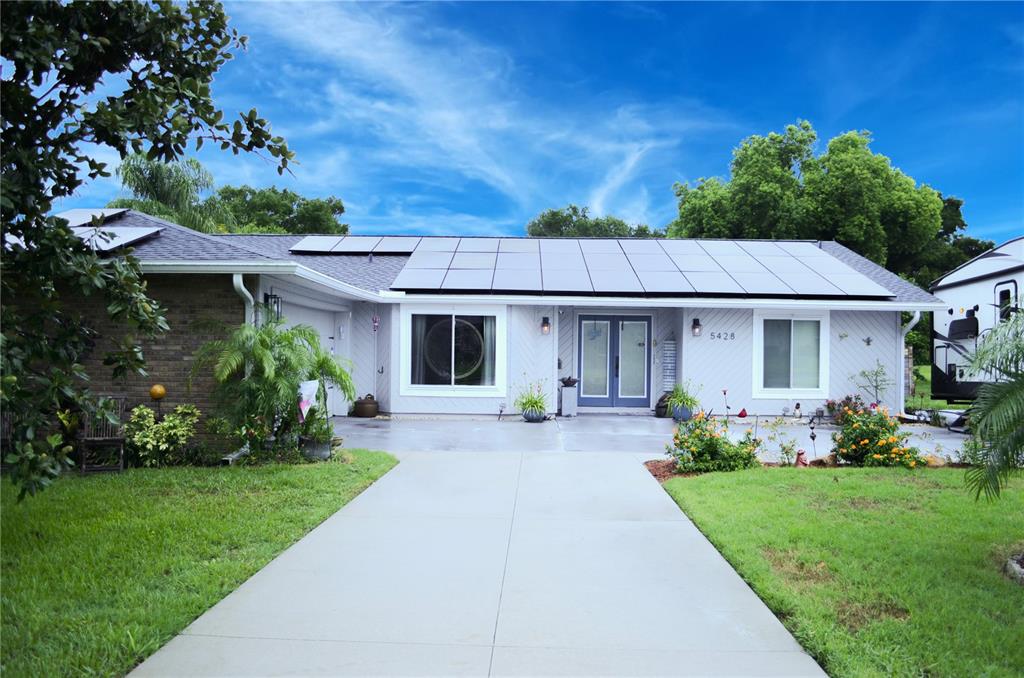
(157, 392)
(695, 328)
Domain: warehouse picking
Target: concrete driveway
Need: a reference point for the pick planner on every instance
(526, 563)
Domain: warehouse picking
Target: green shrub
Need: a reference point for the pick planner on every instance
(161, 443)
(702, 444)
(870, 437)
(680, 396)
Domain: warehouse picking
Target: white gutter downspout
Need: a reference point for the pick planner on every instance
(914, 319)
(247, 299)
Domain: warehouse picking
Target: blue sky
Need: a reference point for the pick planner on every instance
(473, 118)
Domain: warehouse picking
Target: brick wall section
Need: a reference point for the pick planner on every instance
(186, 299)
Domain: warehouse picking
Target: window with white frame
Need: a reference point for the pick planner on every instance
(453, 353)
(790, 355)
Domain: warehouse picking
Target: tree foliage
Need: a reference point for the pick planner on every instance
(997, 416)
(272, 210)
(172, 191)
(155, 61)
(576, 222)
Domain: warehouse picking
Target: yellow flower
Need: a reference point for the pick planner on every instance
(877, 456)
(856, 425)
(864, 442)
(913, 463)
(892, 439)
(881, 442)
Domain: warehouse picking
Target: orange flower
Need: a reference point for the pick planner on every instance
(913, 463)
(877, 456)
(881, 442)
(864, 442)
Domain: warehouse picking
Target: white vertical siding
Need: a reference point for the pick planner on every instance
(713, 365)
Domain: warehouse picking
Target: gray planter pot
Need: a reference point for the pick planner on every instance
(533, 416)
(315, 451)
(681, 413)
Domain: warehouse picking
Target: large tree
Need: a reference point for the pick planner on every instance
(156, 61)
(779, 188)
(573, 221)
(272, 210)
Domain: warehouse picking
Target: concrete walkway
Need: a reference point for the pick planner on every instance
(505, 564)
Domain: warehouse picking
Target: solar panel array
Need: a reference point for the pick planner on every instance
(609, 266)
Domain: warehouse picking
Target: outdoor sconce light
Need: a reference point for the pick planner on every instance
(273, 304)
(695, 328)
(545, 325)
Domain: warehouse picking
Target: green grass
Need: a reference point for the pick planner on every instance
(922, 400)
(875, 571)
(99, 572)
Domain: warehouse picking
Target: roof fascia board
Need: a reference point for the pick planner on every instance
(1002, 273)
(662, 302)
(260, 267)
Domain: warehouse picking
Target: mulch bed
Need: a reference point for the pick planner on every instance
(663, 469)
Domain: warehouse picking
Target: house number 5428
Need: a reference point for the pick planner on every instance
(723, 336)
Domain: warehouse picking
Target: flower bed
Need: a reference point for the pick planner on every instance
(870, 437)
(701, 445)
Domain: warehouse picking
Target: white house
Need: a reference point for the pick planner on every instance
(461, 324)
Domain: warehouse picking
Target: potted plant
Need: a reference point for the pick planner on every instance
(681, 403)
(315, 438)
(533, 403)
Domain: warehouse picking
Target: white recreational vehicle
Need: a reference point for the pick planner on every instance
(979, 295)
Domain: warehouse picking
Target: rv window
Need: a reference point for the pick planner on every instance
(1005, 305)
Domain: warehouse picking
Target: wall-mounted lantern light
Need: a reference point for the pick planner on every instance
(695, 328)
(272, 302)
(545, 325)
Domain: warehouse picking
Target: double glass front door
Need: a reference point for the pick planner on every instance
(615, 360)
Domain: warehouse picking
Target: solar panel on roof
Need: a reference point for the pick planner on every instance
(672, 246)
(640, 246)
(423, 259)
(419, 279)
(761, 283)
(760, 248)
(722, 248)
(606, 261)
(356, 244)
(438, 244)
(518, 245)
(744, 263)
(695, 262)
(564, 261)
(478, 245)
(473, 260)
(316, 243)
(858, 285)
(807, 282)
(518, 260)
(600, 245)
(468, 279)
(664, 282)
(108, 238)
(705, 282)
(516, 280)
(826, 266)
(559, 246)
(803, 249)
(651, 262)
(615, 280)
(566, 281)
(396, 244)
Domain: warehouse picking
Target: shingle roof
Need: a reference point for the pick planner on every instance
(355, 270)
(905, 291)
(177, 243)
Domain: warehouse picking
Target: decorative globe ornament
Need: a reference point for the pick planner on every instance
(157, 392)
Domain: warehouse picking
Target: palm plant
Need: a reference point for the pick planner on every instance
(997, 416)
(257, 372)
(172, 191)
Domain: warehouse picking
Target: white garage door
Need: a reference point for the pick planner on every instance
(323, 323)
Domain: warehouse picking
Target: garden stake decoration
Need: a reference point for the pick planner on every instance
(725, 396)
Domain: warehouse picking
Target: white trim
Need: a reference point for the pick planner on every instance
(497, 390)
(824, 345)
(390, 296)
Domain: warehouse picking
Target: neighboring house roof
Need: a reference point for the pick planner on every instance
(378, 273)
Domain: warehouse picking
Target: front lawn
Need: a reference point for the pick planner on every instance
(875, 571)
(922, 398)
(99, 572)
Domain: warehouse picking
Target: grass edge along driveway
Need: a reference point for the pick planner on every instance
(875, 571)
(100, 572)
